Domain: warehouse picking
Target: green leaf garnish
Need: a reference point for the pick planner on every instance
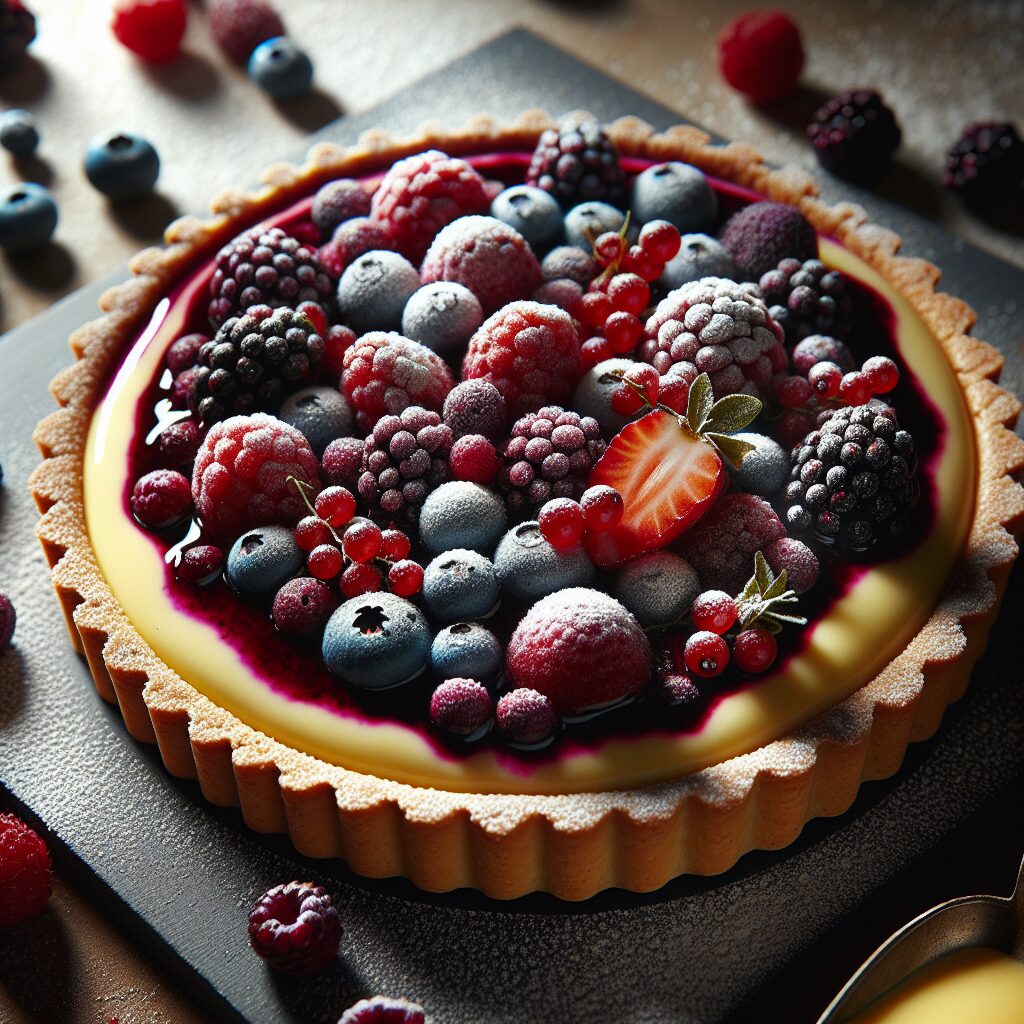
(699, 403)
(759, 601)
(732, 413)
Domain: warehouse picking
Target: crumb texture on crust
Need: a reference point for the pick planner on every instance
(507, 845)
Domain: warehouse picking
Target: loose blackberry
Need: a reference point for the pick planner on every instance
(404, 458)
(577, 162)
(254, 362)
(854, 479)
(807, 298)
(549, 455)
(986, 166)
(268, 267)
(17, 30)
(854, 134)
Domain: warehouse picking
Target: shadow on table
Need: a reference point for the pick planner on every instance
(30, 81)
(312, 111)
(322, 999)
(145, 217)
(50, 268)
(37, 969)
(189, 76)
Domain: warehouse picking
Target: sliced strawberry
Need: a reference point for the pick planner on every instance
(668, 478)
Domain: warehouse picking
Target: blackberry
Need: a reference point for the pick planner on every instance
(404, 458)
(854, 134)
(17, 30)
(254, 362)
(854, 479)
(577, 162)
(268, 267)
(807, 298)
(986, 166)
(549, 455)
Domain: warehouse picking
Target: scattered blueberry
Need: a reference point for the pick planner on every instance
(321, 413)
(534, 213)
(263, 559)
(699, 256)
(460, 584)
(374, 289)
(529, 568)
(376, 640)
(122, 165)
(459, 514)
(584, 223)
(466, 649)
(676, 192)
(281, 69)
(28, 217)
(657, 587)
(765, 470)
(443, 316)
(19, 133)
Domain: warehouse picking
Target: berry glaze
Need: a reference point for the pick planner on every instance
(299, 674)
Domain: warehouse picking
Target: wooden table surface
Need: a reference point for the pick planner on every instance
(939, 65)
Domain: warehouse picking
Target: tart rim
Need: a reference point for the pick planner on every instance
(509, 844)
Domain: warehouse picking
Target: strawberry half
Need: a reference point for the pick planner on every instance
(668, 477)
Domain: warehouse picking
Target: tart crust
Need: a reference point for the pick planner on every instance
(507, 845)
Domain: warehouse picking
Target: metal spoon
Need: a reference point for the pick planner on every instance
(993, 921)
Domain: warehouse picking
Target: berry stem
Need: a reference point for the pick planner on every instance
(301, 486)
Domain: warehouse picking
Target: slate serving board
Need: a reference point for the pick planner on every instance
(776, 936)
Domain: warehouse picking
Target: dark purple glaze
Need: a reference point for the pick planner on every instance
(299, 671)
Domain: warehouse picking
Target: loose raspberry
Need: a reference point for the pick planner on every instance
(706, 654)
(302, 606)
(755, 650)
(761, 55)
(25, 882)
(161, 498)
(7, 621)
(580, 648)
(473, 458)
(239, 26)
(352, 239)
(385, 373)
(201, 564)
(526, 716)
(461, 706)
(488, 257)
(421, 194)
(241, 475)
(384, 1010)
(152, 29)
(714, 611)
(529, 352)
(295, 928)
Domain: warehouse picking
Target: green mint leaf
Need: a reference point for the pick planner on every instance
(732, 413)
(763, 575)
(699, 403)
(779, 586)
(731, 447)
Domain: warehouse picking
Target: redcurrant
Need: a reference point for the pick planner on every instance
(714, 611)
(755, 650)
(595, 308)
(706, 654)
(325, 562)
(629, 293)
(360, 579)
(311, 532)
(335, 505)
(595, 350)
(406, 578)
(602, 507)
(394, 545)
(362, 542)
(883, 373)
(562, 522)
(825, 378)
(855, 388)
(661, 239)
(623, 331)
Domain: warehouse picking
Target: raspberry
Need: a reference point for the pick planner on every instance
(577, 163)
(706, 654)
(17, 30)
(529, 352)
(488, 257)
(854, 134)
(352, 239)
(339, 201)
(239, 26)
(161, 498)
(152, 29)
(24, 872)
(525, 716)
(986, 165)
(384, 1010)
(721, 546)
(295, 928)
(385, 373)
(421, 194)
(240, 476)
(302, 606)
(179, 442)
(473, 458)
(476, 407)
(799, 561)
(201, 564)
(762, 234)
(8, 617)
(581, 649)
(343, 462)
(761, 55)
(461, 706)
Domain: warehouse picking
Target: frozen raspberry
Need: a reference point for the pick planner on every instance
(352, 239)
(24, 871)
(179, 442)
(526, 716)
(476, 407)
(473, 458)
(295, 928)
(384, 1010)
(339, 201)
(421, 194)
(343, 462)
(760, 54)
(761, 235)
(152, 29)
(385, 373)
(241, 475)
(721, 546)
(580, 648)
(488, 257)
(161, 498)
(799, 561)
(302, 606)
(239, 26)
(461, 706)
(529, 352)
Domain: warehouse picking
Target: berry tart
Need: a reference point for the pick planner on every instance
(541, 506)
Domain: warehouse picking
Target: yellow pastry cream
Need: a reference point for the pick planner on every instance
(970, 986)
(860, 632)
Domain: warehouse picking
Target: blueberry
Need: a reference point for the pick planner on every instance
(534, 213)
(281, 69)
(376, 641)
(676, 192)
(460, 584)
(764, 471)
(466, 650)
(529, 568)
(374, 289)
(322, 414)
(443, 316)
(261, 560)
(459, 514)
(699, 256)
(122, 165)
(657, 587)
(28, 217)
(585, 222)
(19, 133)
